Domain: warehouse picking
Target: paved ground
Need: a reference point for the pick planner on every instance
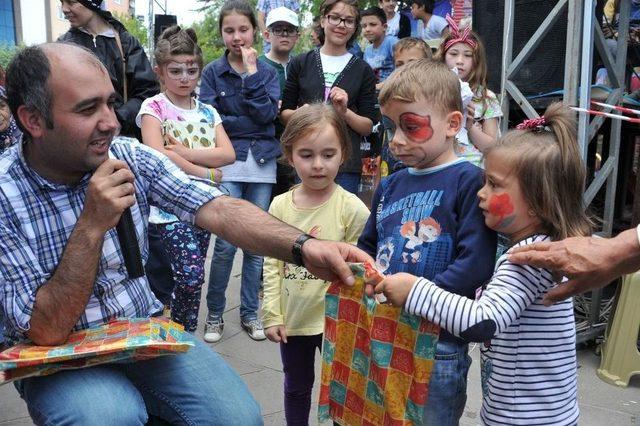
(259, 365)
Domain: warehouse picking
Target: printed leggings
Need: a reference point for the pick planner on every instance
(186, 246)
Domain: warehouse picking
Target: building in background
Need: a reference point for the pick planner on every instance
(38, 21)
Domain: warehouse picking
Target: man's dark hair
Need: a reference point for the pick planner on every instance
(28, 84)
(374, 11)
(427, 5)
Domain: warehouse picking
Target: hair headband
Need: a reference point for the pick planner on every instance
(535, 124)
(458, 36)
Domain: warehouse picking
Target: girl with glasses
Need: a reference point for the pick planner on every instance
(332, 75)
(190, 133)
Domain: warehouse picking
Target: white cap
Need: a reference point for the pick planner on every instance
(282, 14)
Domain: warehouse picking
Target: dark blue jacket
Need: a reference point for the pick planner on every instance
(247, 107)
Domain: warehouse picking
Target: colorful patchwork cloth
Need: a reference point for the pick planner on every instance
(376, 358)
(123, 340)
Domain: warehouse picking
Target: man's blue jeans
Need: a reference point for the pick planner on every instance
(194, 388)
(224, 252)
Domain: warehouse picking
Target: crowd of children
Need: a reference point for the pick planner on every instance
(289, 134)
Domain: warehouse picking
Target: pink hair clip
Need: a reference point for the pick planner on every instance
(532, 124)
(463, 36)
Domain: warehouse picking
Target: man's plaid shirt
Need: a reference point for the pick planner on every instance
(37, 217)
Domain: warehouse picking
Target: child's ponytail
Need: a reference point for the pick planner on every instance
(562, 123)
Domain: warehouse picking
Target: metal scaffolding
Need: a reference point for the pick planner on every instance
(583, 32)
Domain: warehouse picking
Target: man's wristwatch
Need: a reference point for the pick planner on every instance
(296, 250)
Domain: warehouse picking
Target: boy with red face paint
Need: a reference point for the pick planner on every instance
(425, 219)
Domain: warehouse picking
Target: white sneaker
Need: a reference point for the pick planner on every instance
(254, 329)
(213, 329)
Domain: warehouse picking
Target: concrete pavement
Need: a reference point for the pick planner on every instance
(259, 365)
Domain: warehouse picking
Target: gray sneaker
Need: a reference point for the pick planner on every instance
(253, 328)
(213, 329)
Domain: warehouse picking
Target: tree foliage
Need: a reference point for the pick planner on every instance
(134, 27)
(7, 53)
(209, 36)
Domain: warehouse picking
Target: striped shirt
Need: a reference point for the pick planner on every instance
(37, 217)
(529, 358)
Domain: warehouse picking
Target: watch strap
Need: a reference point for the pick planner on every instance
(296, 249)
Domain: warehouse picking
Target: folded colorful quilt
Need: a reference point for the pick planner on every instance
(122, 340)
(376, 358)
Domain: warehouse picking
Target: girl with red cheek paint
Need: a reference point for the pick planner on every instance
(502, 202)
(532, 194)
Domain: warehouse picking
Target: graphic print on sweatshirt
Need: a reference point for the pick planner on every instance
(418, 244)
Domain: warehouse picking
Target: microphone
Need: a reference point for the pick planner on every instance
(129, 244)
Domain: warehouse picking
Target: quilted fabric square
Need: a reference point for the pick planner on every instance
(376, 359)
(121, 340)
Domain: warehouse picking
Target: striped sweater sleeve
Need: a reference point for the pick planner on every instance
(511, 290)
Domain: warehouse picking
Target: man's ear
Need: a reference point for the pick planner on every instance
(32, 121)
(454, 123)
(266, 36)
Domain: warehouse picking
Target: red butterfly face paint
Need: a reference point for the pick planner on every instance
(417, 134)
(416, 127)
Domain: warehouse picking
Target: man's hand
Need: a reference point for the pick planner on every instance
(328, 259)
(588, 262)
(110, 192)
(276, 333)
(396, 287)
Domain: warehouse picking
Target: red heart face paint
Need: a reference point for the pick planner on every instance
(416, 127)
(501, 206)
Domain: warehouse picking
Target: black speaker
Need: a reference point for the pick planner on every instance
(161, 23)
(543, 71)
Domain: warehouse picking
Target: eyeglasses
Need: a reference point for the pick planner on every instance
(181, 71)
(284, 32)
(336, 20)
(388, 127)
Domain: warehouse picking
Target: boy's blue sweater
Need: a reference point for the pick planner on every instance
(428, 223)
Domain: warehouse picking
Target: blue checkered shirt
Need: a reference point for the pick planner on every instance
(266, 6)
(37, 217)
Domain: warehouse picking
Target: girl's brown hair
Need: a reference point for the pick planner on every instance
(549, 168)
(328, 5)
(478, 76)
(310, 119)
(239, 7)
(177, 41)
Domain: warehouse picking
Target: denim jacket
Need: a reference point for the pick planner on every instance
(247, 107)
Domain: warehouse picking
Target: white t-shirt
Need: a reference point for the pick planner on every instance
(332, 66)
(434, 27)
(393, 25)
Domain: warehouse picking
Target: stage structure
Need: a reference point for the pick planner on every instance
(583, 33)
